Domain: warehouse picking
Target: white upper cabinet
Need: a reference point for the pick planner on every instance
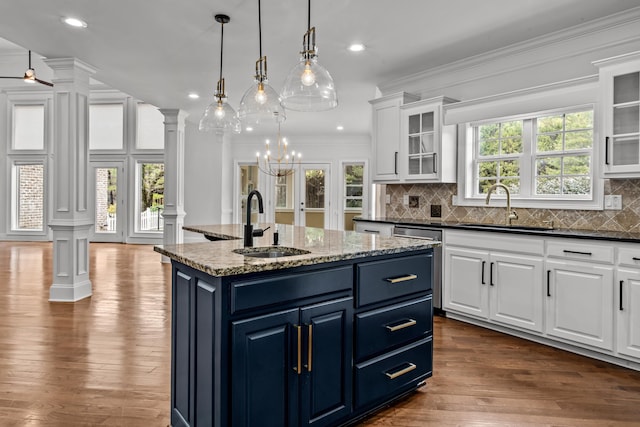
(620, 115)
(428, 147)
(386, 135)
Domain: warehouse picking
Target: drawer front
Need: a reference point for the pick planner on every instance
(589, 252)
(629, 256)
(390, 327)
(280, 289)
(392, 278)
(393, 373)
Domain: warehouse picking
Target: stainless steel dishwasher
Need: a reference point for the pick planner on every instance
(427, 233)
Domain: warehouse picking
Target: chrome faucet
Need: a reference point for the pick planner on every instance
(511, 215)
(249, 233)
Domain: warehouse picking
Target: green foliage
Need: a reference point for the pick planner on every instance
(152, 190)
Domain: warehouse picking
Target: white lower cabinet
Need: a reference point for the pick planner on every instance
(496, 285)
(628, 312)
(580, 302)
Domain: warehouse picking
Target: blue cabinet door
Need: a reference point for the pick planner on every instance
(326, 389)
(264, 381)
(182, 385)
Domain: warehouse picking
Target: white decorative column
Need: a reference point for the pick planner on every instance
(71, 218)
(173, 214)
(226, 179)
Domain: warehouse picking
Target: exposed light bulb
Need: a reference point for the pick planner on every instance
(220, 113)
(308, 77)
(261, 95)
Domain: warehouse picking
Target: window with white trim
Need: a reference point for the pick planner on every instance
(546, 156)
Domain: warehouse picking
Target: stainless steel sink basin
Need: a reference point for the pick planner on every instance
(270, 252)
(507, 227)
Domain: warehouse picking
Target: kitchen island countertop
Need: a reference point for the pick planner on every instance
(217, 258)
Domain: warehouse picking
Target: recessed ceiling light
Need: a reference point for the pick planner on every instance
(249, 129)
(356, 47)
(194, 95)
(74, 22)
(340, 127)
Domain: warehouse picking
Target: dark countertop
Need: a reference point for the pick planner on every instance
(218, 259)
(614, 236)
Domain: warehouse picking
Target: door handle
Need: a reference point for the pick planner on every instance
(606, 150)
(491, 274)
(620, 307)
(482, 274)
(435, 162)
(395, 163)
(548, 283)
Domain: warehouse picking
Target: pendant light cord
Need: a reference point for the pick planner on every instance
(221, 46)
(309, 16)
(260, 27)
(29, 59)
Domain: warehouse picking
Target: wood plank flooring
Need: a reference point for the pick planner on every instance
(105, 361)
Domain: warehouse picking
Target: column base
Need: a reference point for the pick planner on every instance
(70, 293)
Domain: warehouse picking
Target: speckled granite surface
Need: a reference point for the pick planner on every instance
(218, 259)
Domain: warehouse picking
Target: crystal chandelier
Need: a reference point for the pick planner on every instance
(278, 161)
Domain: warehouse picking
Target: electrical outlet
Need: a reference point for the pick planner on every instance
(405, 199)
(613, 202)
(436, 211)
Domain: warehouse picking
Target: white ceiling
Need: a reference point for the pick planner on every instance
(160, 50)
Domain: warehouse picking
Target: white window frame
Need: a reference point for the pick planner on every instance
(567, 96)
(135, 234)
(12, 230)
(366, 188)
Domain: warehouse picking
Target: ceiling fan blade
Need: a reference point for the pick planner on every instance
(10, 77)
(43, 82)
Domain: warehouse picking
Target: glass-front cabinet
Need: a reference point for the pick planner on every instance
(428, 147)
(620, 100)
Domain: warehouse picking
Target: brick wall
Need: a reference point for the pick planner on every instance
(31, 197)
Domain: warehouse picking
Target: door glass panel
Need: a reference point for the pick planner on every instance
(414, 145)
(354, 192)
(106, 200)
(427, 143)
(248, 182)
(626, 151)
(28, 213)
(314, 197)
(626, 88)
(284, 199)
(151, 202)
(427, 164)
(626, 120)
(427, 122)
(414, 124)
(414, 165)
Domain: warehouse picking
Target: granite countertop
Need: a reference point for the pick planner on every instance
(610, 235)
(218, 259)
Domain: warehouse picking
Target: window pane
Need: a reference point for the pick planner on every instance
(491, 131)
(511, 146)
(484, 184)
(354, 203)
(354, 174)
(578, 140)
(548, 186)
(509, 168)
(106, 199)
(513, 184)
(28, 127)
(29, 186)
(314, 189)
(150, 129)
(581, 120)
(489, 147)
(550, 124)
(549, 143)
(151, 203)
(547, 166)
(576, 165)
(106, 124)
(353, 191)
(488, 169)
(511, 129)
(576, 185)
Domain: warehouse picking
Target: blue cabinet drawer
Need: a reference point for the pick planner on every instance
(393, 373)
(392, 326)
(392, 278)
(280, 289)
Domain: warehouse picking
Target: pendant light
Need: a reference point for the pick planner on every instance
(219, 115)
(309, 86)
(260, 104)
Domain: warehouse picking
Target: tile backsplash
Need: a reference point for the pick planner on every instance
(627, 219)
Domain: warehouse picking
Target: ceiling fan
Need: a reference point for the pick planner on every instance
(29, 75)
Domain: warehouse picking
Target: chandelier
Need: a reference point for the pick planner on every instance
(277, 160)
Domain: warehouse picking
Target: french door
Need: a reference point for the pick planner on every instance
(303, 197)
(109, 196)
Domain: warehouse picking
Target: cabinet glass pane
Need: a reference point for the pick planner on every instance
(428, 165)
(414, 165)
(427, 122)
(428, 144)
(414, 145)
(626, 88)
(626, 151)
(626, 120)
(414, 123)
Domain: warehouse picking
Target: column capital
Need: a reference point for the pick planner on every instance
(173, 116)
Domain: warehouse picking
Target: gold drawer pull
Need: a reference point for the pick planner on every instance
(411, 322)
(401, 372)
(401, 278)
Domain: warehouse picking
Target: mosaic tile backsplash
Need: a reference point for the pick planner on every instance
(627, 219)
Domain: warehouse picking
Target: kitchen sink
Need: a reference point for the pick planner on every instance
(507, 227)
(270, 252)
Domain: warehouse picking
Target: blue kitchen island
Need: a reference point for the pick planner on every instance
(321, 338)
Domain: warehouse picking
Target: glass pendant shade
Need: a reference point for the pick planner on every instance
(260, 105)
(309, 87)
(219, 115)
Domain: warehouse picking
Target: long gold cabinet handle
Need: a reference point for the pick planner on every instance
(401, 372)
(401, 278)
(298, 367)
(406, 324)
(310, 348)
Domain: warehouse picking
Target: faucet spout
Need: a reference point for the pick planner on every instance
(248, 228)
(511, 215)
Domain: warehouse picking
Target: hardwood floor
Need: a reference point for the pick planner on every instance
(105, 361)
